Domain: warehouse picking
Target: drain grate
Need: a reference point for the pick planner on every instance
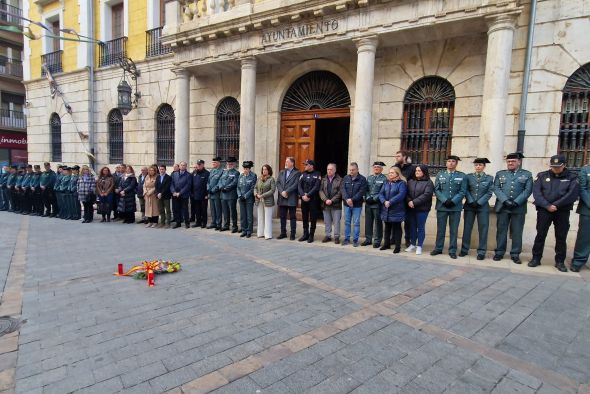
(9, 324)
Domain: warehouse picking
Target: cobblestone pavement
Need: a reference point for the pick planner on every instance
(256, 316)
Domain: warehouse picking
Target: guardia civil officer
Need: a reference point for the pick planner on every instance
(373, 206)
(555, 192)
(36, 191)
(246, 185)
(75, 210)
(199, 194)
(57, 189)
(47, 184)
(10, 183)
(512, 188)
(20, 175)
(4, 203)
(215, 193)
(63, 190)
(309, 188)
(582, 248)
(26, 195)
(480, 187)
(450, 187)
(228, 184)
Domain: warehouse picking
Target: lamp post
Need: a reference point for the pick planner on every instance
(124, 101)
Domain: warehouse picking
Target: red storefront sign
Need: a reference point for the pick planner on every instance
(13, 141)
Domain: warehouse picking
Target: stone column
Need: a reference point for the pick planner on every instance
(360, 141)
(181, 123)
(248, 110)
(495, 91)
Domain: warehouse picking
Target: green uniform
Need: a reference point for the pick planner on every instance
(26, 197)
(228, 184)
(36, 193)
(58, 193)
(62, 201)
(449, 186)
(372, 207)
(10, 184)
(47, 181)
(582, 248)
(75, 211)
(18, 194)
(479, 191)
(245, 190)
(215, 197)
(4, 200)
(515, 186)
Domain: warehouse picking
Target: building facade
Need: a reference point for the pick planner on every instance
(339, 80)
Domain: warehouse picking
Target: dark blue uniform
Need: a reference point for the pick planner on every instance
(309, 185)
(479, 191)
(199, 198)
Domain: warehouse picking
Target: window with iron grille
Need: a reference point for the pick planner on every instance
(55, 129)
(227, 128)
(115, 121)
(574, 129)
(428, 121)
(165, 135)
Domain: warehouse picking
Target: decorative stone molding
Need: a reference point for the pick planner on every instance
(503, 21)
(366, 44)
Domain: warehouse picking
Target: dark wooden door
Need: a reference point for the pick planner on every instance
(297, 140)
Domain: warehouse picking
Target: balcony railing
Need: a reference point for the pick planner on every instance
(53, 62)
(12, 67)
(112, 52)
(153, 43)
(10, 14)
(13, 119)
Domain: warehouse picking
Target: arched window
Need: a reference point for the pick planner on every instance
(316, 90)
(428, 121)
(115, 120)
(574, 130)
(55, 129)
(165, 135)
(227, 128)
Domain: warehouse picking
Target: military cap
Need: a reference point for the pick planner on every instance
(248, 164)
(310, 162)
(76, 167)
(231, 159)
(453, 157)
(201, 161)
(515, 155)
(481, 160)
(557, 160)
(66, 168)
(379, 163)
(217, 158)
(29, 166)
(47, 163)
(37, 166)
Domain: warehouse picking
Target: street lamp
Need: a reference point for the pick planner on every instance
(124, 101)
(124, 97)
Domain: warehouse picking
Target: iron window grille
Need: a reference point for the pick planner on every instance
(227, 128)
(115, 121)
(153, 43)
(165, 135)
(112, 52)
(55, 130)
(53, 62)
(316, 90)
(574, 128)
(428, 122)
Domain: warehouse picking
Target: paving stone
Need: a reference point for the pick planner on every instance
(142, 374)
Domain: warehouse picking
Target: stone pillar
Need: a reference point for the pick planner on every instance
(181, 123)
(495, 91)
(360, 141)
(248, 110)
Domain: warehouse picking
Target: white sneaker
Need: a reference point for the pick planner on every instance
(418, 249)
(410, 248)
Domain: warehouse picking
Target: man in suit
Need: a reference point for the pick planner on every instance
(180, 187)
(214, 193)
(480, 187)
(164, 195)
(199, 194)
(228, 184)
(450, 188)
(287, 185)
(582, 248)
(512, 187)
(139, 192)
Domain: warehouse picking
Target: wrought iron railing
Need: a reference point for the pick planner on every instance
(112, 52)
(52, 61)
(13, 119)
(13, 67)
(153, 43)
(10, 14)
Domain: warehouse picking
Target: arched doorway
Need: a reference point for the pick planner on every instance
(315, 121)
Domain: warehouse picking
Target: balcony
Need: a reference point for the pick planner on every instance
(112, 52)
(12, 119)
(52, 62)
(153, 46)
(10, 14)
(11, 67)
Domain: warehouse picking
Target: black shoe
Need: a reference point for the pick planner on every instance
(481, 256)
(453, 256)
(282, 236)
(408, 243)
(366, 243)
(235, 230)
(84, 221)
(187, 225)
(435, 252)
(396, 250)
(242, 235)
(304, 237)
(462, 254)
(292, 237)
(224, 229)
(534, 263)
(176, 225)
(560, 267)
(248, 235)
(326, 239)
(376, 245)
(195, 226)
(210, 227)
(516, 260)
(355, 244)
(497, 257)
(310, 239)
(385, 247)
(575, 268)
(345, 242)
(337, 240)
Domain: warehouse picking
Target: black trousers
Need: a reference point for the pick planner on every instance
(27, 201)
(283, 210)
(180, 206)
(561, 224)
(49, 201)
(310, 211)
(393, 234)
(116, 204)
(37, 202)
(88, 211)
(199, 212)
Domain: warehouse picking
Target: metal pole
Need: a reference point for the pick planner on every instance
(91, 128)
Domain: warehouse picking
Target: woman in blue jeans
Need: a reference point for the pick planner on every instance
(419, 203)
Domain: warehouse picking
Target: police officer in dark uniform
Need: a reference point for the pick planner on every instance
(215, 193)
(512, 188)
(582, 248)
(480, 187)
(36, 191)
(47, 184)
(228, 184)
(450, 188)
(373, 206)
(309, 188)
(555, 192)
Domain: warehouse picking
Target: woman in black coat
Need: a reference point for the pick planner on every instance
(127, 190)
(419, 202)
